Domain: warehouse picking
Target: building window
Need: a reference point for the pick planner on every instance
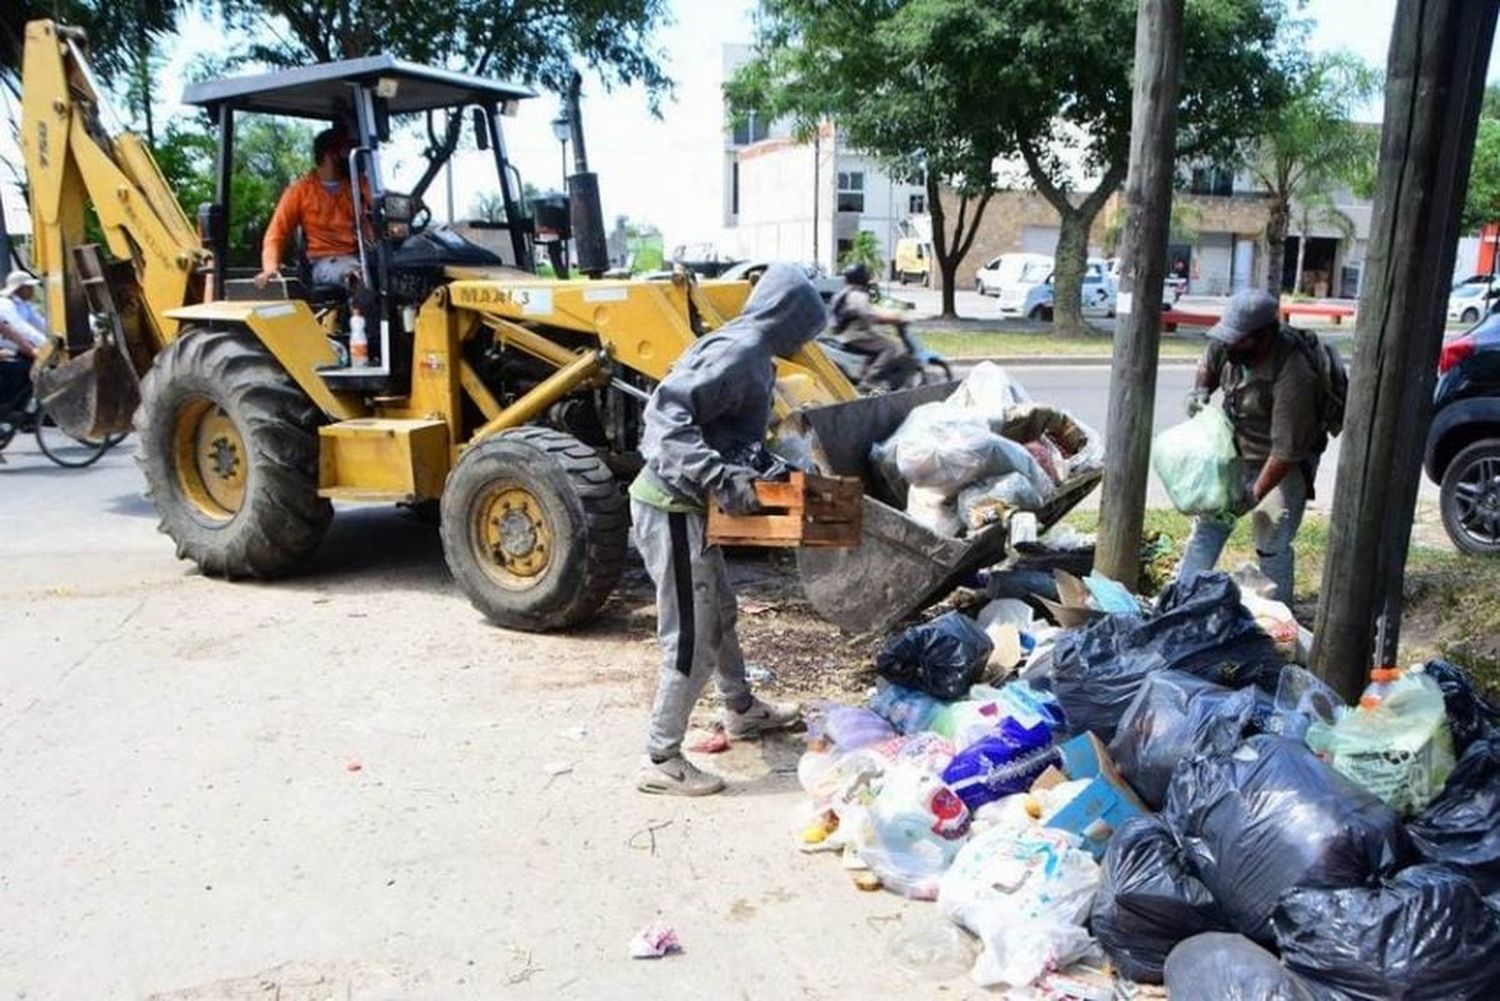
(752, 130)
(851, 191)
(734, 189)
(844, 246)
(1211, 181)
(916, 204)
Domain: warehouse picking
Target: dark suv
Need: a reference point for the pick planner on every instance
(1463, 445)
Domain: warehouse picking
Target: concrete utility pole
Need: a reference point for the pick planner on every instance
(1434, 82)
(1148, 201)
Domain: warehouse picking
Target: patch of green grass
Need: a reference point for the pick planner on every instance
(1452, 601)
(1015, 343)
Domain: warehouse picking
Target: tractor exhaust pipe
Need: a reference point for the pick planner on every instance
(590, 250)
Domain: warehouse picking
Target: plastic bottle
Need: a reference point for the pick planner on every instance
(1382, 683)
(359, 341)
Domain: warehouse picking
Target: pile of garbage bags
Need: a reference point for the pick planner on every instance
(987, 451)
(1161, 796)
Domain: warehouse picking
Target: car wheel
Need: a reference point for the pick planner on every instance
(1470, 315)
(1471, 498)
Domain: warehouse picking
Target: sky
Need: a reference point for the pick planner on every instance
(667, 170)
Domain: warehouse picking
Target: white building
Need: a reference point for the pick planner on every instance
(807, 201)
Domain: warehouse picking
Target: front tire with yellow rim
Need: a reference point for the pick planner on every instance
(229, 448)
(534, 529)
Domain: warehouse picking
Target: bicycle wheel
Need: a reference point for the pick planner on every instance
(66, 450)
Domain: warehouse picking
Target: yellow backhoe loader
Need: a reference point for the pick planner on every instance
(513, 400)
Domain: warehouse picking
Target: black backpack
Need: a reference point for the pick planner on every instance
(1333, 377)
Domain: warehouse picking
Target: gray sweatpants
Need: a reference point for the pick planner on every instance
(695, 617)
(1274, 523)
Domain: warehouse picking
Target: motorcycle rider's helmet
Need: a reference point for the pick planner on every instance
(857, 274)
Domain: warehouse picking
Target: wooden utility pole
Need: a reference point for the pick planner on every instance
(1148, 204)
(1434, 82)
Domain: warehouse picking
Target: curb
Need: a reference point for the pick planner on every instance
(1063, 361)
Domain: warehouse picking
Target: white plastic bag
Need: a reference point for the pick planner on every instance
(1025, 892)
(912, 831)
(990, 500)
(989, 390)
(1197, 463)
(931, 509)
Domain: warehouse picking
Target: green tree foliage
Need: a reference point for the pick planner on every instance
(531, 40)
(124, 39)
(946, 87)
(864, 249)
(1312, 146)
(1482, 205)
(269, 154)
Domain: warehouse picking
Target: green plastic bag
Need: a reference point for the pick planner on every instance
(1197, 463)
(1399, 748)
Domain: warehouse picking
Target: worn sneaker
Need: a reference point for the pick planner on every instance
(761, 717)
(676, 777)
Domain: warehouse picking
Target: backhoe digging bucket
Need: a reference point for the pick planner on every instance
(90, 395)
(900, 566)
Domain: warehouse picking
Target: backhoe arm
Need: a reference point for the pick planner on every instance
(72, 162)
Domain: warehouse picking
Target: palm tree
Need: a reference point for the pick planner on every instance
(864, 249)
(1313, 146)
(1316, 208)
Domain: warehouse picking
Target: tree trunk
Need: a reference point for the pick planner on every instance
(1434, 85)
(1278, 220)
(1137, 340)
(950, 249)
(947, 267)
(1301, 257)
(1069, 263)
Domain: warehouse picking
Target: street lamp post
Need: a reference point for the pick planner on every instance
(563, 130)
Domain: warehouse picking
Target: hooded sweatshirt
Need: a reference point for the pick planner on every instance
(716, 400)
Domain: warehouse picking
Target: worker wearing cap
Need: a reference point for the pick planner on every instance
(322, 203)
(1271, 393)
(23, 332)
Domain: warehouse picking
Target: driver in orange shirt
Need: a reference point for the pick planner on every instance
(322, 203)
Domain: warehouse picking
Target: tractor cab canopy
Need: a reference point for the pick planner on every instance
(364, 95)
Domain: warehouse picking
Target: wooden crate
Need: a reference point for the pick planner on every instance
(807, 510)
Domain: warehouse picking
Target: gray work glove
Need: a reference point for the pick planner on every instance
(736, 492)
(1196, 401)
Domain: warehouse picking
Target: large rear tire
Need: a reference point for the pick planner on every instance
(534, 529)
(229, 448)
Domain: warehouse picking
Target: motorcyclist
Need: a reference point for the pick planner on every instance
(855, 318)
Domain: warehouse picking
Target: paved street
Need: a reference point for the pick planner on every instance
(349, 779)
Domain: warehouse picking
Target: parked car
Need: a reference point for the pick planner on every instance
(1019, 284)
(1007, 269)
(1463, 443)
(1098, 293)
(1470, 299)
(1171, 289)
(913, 261)
(827, 285)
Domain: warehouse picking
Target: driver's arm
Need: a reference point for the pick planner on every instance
(284, 220)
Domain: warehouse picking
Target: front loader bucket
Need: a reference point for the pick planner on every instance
(900, 566)
(90, 395)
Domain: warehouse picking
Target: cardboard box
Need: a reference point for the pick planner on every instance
(1100, 807)
(1073, 607)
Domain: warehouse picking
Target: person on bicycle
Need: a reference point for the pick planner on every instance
(22, 334)
(855, 318)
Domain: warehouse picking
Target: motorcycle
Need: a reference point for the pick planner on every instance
(915, 366)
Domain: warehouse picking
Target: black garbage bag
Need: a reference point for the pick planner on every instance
(1269, 816)
(1149, 901)
(1461, 828)
(1199, 627)
(942, 657)
(1426, 934)
(1174, 717)
(1216, 966)
(1470, 715)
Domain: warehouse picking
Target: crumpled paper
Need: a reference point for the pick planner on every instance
(654, 941)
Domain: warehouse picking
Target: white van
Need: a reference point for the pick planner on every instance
(1005, 270)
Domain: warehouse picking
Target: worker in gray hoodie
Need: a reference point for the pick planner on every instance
(705, 428)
